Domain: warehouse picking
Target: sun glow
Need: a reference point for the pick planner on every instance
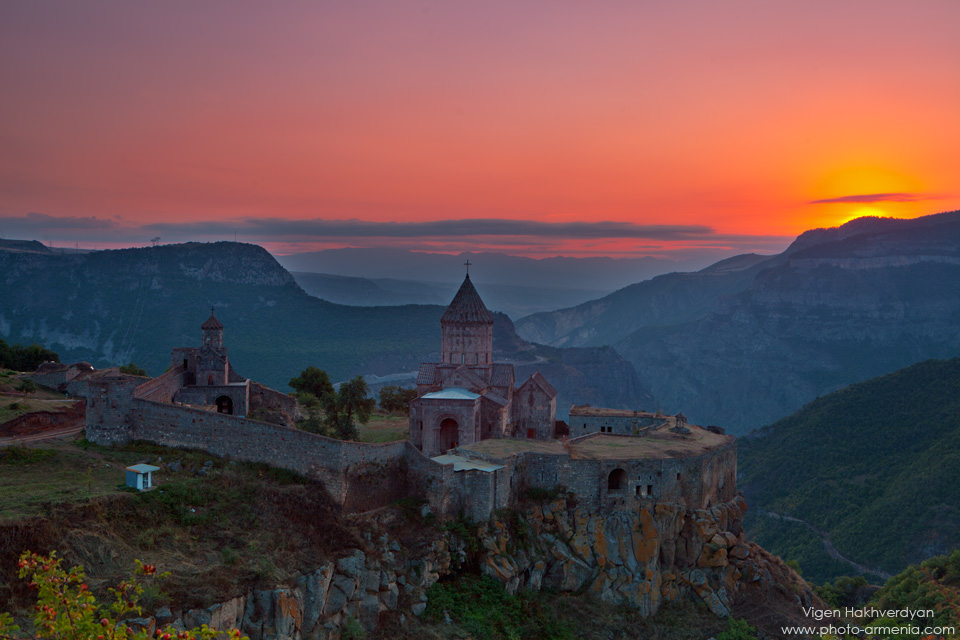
(863, 212)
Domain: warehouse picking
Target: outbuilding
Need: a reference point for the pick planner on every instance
(140, 476)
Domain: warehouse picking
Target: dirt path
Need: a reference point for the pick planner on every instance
(37, 437)
(827, 544)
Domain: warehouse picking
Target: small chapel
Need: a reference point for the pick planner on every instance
(467, 397)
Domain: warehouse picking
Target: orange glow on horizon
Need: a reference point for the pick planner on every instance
(757, 120)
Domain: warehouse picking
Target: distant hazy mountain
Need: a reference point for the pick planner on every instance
(113, 307)
(874, 465)
(591, 274)
(515, 301)
(749, 340)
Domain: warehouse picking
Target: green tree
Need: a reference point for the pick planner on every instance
(26, 385)
(66, 610)
(394, 399)
(133, 370)
(349, 403)
(313, 381)
(20, 358)
(342, 408)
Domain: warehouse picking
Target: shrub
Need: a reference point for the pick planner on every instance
(66, 610)
(738, 629)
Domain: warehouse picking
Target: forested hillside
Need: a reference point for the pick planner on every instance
(874, 465)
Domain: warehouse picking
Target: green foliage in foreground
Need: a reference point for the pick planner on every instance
(934, 584)
(738, 629)
(873, 464)
(66, 610)
(484, 610)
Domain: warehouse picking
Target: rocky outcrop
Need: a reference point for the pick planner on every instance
(640, 557)
(353, 590)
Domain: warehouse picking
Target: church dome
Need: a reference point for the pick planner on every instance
(212, 323)
(467, 307)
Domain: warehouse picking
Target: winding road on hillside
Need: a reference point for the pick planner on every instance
(827, 544)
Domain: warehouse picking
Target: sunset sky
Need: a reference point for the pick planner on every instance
(641, 127)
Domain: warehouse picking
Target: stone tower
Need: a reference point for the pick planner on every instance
(467, 329)
(212, 333)
(212, 365)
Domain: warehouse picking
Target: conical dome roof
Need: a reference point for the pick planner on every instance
(467, 307)
(211, 323)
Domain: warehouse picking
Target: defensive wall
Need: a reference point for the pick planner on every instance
(358, 476)
(691, 466)
(584, 420)
(609, 475)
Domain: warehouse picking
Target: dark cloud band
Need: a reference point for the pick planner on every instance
(877, 197)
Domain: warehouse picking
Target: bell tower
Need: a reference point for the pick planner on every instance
(467, 328)
(212, 331)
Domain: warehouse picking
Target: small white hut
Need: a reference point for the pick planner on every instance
(140, 476)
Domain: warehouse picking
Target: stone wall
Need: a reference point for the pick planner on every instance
(697, 482)
(533, 411)
(207, 395)
(622, 425)
(110, 400)
(266, 399)
(162, 388)
(358, 476)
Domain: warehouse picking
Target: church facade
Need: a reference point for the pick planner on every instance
(467, 397)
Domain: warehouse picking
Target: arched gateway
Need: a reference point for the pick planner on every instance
(449, 434)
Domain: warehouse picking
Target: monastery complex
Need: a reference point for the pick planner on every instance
(478, 441)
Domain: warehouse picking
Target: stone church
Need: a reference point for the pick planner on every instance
(208, 379)
(467, 397)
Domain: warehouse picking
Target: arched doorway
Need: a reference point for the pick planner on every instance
(449, 434)
(225, 405)
(617, 481)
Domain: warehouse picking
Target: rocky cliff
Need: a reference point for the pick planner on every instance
(639, 558)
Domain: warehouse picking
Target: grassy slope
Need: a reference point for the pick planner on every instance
(874, 465)
(237, 526)
(14, 403)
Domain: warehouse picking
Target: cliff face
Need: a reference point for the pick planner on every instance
(640, 558)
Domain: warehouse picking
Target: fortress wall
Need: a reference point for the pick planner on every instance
(358, 476)
(262, 397)
(109, 406)
(161, 388)
(434, 481)
(623, 425)
(242, 439)
(374, 475)
(698, 482)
